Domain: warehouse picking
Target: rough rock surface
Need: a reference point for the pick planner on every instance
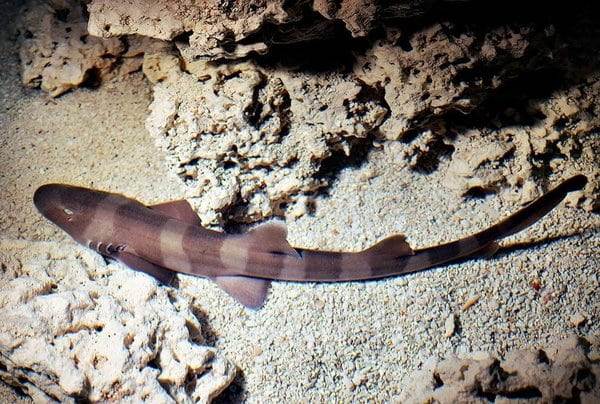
(223, 29)
(212, 27)
(250, 138)
(568, 371)
(57, 53)
(442, 68)
(269, 146)
(562, 140)
(73, 327)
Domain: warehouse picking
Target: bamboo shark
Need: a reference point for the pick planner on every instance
(165, 239)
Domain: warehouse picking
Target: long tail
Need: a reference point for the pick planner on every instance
(484, 241)
(393, 256)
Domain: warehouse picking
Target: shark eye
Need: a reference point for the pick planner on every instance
(68, 211)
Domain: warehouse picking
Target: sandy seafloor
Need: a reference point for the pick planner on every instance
(315, 342)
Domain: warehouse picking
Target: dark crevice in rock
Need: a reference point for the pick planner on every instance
(479, 192)
(338, 161)
(183, 38)
(190, 382)
(437, 380)
(480, 392)
(92, 78)
(153, 363)
(17, 389)
(235, 392)
(252, 112)
(209, 335)
(543, 357)
(312, 44)
(494, 14)
(525, 393)
(437, 150)
(584, 379)
(509, 105)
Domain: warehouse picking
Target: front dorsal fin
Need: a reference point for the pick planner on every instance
(272, 237)
(391, 247)
(180, 210)
(251, 292)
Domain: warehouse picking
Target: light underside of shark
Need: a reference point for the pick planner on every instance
(164, 239)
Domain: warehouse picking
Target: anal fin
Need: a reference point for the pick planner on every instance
(251, 292)
(180, 210)
(162, 274)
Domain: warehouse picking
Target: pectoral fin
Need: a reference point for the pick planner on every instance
(251, 292)
(180, 210)
(163, 274)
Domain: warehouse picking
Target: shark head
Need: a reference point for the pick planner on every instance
(69, 207)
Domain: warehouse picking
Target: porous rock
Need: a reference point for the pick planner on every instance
(73, 327)
(566, 371)
(248, 138)
(56, 51)
(212, 29)
(439, 69)
(253, 138)
(561, 141)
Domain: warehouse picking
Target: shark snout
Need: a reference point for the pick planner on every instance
(47, 198)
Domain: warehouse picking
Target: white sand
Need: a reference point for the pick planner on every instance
(315, 342)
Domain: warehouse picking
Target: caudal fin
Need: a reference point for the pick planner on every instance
(484, 242)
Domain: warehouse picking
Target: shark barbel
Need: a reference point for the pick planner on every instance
(164, 239)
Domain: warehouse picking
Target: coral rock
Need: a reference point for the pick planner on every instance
(73, 327)
(213, 29)
(563, 372)
(57, 53)
(254, 138)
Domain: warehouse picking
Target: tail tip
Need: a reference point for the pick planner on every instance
(575, 183)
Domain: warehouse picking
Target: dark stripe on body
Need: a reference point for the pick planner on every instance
(269, 264)
(321, 265)
(202, 248)
(140, 228)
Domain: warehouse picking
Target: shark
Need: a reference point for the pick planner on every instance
(168, 238)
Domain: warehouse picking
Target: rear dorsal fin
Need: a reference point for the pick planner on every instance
(272, 237)
(180, 210)
(251, 292)
(391, 247)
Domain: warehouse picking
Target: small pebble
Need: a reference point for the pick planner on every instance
(359, 378)
(450, 325)
(470, 302)
(577, 319)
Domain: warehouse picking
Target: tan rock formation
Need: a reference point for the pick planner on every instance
(252, 138)
(562, 141)
(215, 29)
(74, 327)
(568, 370)
(57, 53)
